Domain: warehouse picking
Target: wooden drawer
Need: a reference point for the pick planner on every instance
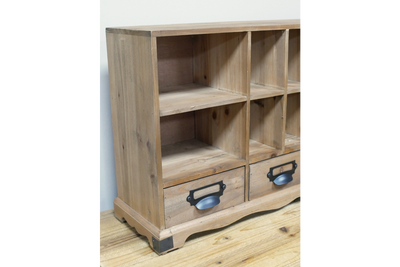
(261, 185)
(179, 210)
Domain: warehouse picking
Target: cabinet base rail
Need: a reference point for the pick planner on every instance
(165, 240)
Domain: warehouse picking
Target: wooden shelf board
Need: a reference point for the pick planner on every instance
(292, 143)
(258, 91)
(208, 28)
(259, 151)
(293, 87)
(189, 160)
(189, 97)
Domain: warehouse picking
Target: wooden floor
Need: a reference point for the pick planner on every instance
(262, 239)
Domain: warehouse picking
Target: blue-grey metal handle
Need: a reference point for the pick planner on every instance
(207, 201)
(284, 177)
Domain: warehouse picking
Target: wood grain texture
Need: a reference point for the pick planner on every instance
(294, 55)
(260, 184)
(236, 244)
(157, 129)
(293, 114)
(247, 108)
(175, 61)
(124, 213)
(204, 103)
(292, 143)
(280, 244)
(259, 151)
(133, 88)
(190, 160)
(219, 60)
(225, 217)
(258, 91)
(268, 108)
(190, 97)
(268, 51)
(293, 87)
(266, 121)
(223, 127)
(208, 28)
(191, 69)
(177, 128)
(178, 210)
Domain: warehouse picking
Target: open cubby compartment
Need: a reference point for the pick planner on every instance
(268, 60)
(201, 71)
(266, 128)
(294, 62)
(203, 142)
(292, 139)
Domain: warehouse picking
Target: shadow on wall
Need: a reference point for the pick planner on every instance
(108, 184)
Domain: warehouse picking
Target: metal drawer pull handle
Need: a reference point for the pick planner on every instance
(283, 177)
(207, 201)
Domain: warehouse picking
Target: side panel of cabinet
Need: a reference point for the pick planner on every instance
(136, 125)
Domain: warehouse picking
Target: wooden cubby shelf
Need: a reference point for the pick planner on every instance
(201, 71)
(266, 128)
(259, 151)
(292, 137)
(189, 97)
(202, 113)
(192, 159)
(294, 62)
(292, 143)
(199, 143)
(268, 50)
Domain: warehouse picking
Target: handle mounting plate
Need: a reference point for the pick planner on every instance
(206, 201)
(283, 177)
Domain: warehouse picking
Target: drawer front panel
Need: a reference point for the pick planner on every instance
(179, 210)
(261, 185)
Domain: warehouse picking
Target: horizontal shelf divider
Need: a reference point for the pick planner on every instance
(189, 160)
(259, 151)
(258, 91)
(292, 143)
(190, 97)
(293, 87)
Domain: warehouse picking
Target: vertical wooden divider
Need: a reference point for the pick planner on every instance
(248, 80)
(285, 88)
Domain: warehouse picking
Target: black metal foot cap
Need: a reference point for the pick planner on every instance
(163, 245)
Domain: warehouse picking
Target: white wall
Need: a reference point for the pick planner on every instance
(153, 12)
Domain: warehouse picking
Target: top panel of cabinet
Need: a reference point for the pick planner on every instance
(207, 28)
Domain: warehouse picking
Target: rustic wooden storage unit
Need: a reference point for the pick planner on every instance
(206, 123)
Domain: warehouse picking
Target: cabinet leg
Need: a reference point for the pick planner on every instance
(162, 246)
